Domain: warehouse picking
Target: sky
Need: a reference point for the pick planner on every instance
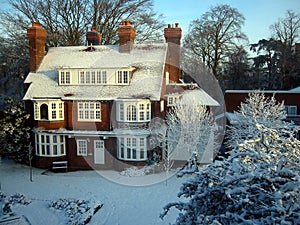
(259, 14)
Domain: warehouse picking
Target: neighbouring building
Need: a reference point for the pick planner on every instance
(234, 98)
(92, 106)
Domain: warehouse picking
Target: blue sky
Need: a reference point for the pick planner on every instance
(259, 14)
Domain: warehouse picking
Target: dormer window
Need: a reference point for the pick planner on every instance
(123, 77)
(65, 77)
(93, 77)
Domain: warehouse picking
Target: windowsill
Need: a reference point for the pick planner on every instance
(50, 156)
(91, 121)
(44, 120)
(133, 160)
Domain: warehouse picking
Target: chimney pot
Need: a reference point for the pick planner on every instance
(176, 25)
(93, 37)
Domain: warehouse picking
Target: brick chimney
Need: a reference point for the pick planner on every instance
(93, 37)
(173, 36)
(37, 40)
(126, 36)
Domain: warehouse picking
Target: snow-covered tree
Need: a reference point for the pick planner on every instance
(190, 125)
(258, 183)
(14, 133)
(257, 109)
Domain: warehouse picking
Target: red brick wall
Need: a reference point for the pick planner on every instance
(74, 124)
(234, 99)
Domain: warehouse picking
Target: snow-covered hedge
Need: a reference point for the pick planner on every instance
(79, 212)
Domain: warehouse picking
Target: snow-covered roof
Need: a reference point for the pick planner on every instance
(199, 96)
(147, 59)
(294, 90)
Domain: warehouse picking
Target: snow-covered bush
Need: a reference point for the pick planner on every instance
(79, 212)
(17, 199)
(258, 183)
(14, 133)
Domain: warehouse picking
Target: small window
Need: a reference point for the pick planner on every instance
(81, 147)
(291, 110)
(123, 77)
(172, 100)
(65, 77)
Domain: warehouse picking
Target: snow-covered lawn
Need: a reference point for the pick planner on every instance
(85, 191)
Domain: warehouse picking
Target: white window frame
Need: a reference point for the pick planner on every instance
(89, 111)
(132, 148)
(64, 77)
(92, 77)
(55, 110)
(134, 111)
(50, 145)
(122, 77)
(82, 148)
(291, 110)
(172, 100)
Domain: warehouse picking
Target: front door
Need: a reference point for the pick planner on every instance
(99, 152)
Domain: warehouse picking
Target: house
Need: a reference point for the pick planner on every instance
(233, 99)
(92, 106)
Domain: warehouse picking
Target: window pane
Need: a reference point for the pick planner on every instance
(62, 149)
(62, 77)
(48, 149)
(122, 152)
(92, 116)
(68, 77)
(104, 77)
(134, 153)
(142, 153)
(125, 77)
(98, 77)
(82, 77)
(128, 153)
(98, 115)
(93, 77)
(87, 77)
(54, 149)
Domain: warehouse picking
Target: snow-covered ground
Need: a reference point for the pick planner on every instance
(122, 204)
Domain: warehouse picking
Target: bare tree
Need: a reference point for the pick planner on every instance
(215, 34)
(68, 20)
(287, 32)
(190, 125)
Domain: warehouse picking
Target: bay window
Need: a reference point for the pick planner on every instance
(49, 110)
(132, 148)
(133, 110)
(49, 145)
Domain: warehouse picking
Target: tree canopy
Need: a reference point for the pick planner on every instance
(215, 34)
